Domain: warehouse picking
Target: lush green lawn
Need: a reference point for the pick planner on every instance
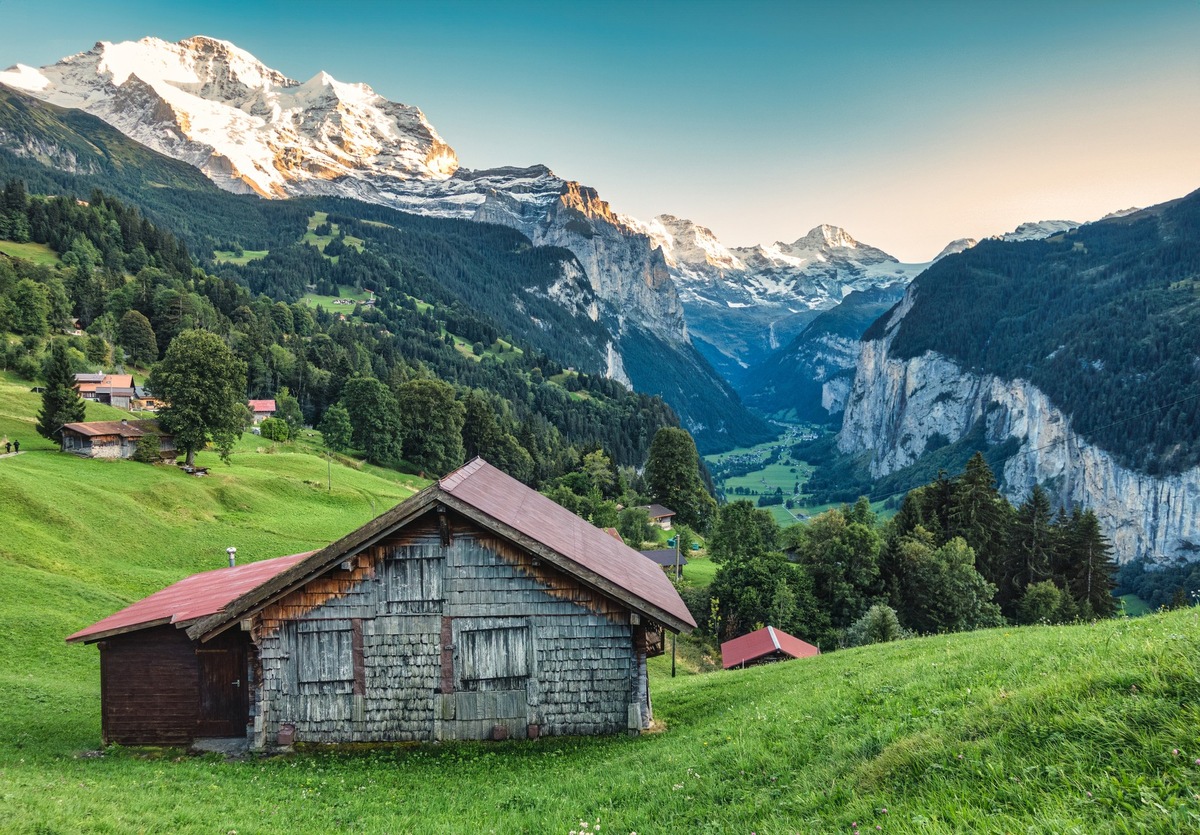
(225, 256)
(313, 300)
(1081, 729)
(322, 241)
(37, 253)
(1134, 606)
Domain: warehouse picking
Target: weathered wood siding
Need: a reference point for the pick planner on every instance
(415, 639)
(149, 685)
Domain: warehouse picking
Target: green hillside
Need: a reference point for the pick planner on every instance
(1051, 729)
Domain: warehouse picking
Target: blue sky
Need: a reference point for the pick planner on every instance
(909, 124)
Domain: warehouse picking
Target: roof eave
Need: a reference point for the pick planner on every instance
(93, 637)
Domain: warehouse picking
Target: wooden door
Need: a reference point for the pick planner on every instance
(224, 702)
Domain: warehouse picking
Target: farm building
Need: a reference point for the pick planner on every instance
(477, 609)
(668, 558)
(660, 515)
(764, 646)
(113, 438)
(113, 389)
(262, 409)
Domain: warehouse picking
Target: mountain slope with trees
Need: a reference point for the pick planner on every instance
(1102, 318)
(474, 270)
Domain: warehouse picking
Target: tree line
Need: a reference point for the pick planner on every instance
(957, 556)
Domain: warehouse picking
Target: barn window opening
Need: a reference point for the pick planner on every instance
(494, 659)
(325, 650)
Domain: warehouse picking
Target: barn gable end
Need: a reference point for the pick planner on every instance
(423, 641)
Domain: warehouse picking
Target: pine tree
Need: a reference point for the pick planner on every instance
(61, 403)
(1092, 568)
(1031, 548)
(981, 516)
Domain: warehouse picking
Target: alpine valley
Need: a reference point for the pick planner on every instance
(1068, 351)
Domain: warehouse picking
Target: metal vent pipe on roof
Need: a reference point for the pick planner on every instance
(231, 551)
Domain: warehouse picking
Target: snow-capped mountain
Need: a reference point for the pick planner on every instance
(776, 289)
(250, 128)
(1036, 230)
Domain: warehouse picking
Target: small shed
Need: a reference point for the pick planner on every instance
(764, 646)
(477, 609)
(660, 515)
(262, 409)
(113, 438)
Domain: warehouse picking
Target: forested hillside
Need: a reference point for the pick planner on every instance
(485, 278)
(133, 288)
(1103, 319)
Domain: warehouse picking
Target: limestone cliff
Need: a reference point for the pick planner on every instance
(896, 405)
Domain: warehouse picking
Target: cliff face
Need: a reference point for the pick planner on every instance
(895, 406)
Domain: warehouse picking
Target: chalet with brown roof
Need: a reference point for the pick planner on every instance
(660, 515)
(764, 646)
(113, 438)
(477, 609)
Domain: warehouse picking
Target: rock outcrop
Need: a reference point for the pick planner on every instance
(896, 405)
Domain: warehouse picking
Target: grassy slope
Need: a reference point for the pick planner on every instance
(999, 731)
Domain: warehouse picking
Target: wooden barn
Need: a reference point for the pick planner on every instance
(477, 609)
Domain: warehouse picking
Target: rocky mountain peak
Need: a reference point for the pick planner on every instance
(826, 236)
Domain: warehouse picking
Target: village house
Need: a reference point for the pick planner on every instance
(660, 515)
(477, 609)
(114, 389)
(764, 646)
(145, 400)
(667, 558)
(113, 438)
(262, 409)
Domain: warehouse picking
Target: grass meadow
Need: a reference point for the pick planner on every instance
(1078, 729)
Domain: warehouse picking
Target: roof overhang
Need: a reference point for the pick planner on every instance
(388, 523)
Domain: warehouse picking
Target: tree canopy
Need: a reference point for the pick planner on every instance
(202, 383)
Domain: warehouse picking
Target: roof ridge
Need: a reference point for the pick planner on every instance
(457, 477)
(774, 640)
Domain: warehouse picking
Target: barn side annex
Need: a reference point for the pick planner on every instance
(476, 609)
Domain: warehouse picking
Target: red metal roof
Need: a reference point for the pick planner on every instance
(507, 500)
(192, 597)
(262, 406)
(764, 642)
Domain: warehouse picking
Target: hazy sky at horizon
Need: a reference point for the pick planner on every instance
(909, 124)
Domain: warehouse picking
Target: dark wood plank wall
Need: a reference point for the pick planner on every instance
(530, 646)
(150, 687)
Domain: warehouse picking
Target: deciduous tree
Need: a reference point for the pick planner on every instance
(203, 383)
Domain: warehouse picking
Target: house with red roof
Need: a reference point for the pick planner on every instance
(261, 409)
(764, 646)
(476, 609)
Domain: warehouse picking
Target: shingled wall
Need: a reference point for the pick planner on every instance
(417, 638)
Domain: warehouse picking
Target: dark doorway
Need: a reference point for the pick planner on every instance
(224, 702)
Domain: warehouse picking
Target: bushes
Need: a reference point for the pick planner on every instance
(274, 429)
